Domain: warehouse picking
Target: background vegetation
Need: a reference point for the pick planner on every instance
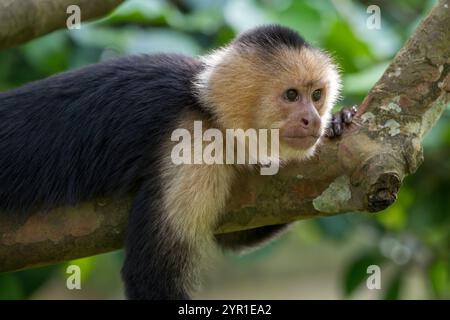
(321, 258)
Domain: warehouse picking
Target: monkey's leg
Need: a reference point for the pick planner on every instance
(241, 240)
(170, 231)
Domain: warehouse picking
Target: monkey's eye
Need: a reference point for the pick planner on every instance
(316, 95)
(291, 95)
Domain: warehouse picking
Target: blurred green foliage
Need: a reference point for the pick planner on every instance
(413, 234)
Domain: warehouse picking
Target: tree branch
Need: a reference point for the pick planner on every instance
(24, 20)
(362, 171)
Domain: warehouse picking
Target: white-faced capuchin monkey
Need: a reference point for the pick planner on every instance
(105, 130)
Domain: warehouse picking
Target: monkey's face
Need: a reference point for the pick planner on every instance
(297, 99)
(292, 90)
(301, 110)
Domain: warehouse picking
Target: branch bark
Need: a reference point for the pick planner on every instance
(362, 171)
(24, 20)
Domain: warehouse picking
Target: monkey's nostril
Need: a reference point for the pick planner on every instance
(305, 121)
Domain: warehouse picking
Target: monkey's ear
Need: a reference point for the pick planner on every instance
(338, 121)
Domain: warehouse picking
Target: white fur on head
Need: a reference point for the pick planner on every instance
(334, 90)
(211, 61)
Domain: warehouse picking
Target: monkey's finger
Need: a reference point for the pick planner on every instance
(347, 116)
(338, 126)
(329, 132)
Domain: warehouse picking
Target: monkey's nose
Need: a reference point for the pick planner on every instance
(310, 124)
(305, 122)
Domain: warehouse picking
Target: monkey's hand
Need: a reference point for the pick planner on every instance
(338, 122)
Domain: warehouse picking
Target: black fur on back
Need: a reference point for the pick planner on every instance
(90, 132)
(271, 37)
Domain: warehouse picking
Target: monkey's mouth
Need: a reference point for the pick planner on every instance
(301, 142)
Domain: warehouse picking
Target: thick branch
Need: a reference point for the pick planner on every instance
(24, 20)
(362, 171)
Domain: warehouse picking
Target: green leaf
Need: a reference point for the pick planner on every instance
(304, 18)
(10, 287)
(32, 279)
(352, 53)
(139, 11)
(161, 40)
(393, 288)
(245, 14)
(336, 228)
(360, 82)
(439, 275)
(100, 37)
(132, 40)
(48, 54)
(395, 217)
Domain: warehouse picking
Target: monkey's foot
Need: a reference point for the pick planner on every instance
(339, 120)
